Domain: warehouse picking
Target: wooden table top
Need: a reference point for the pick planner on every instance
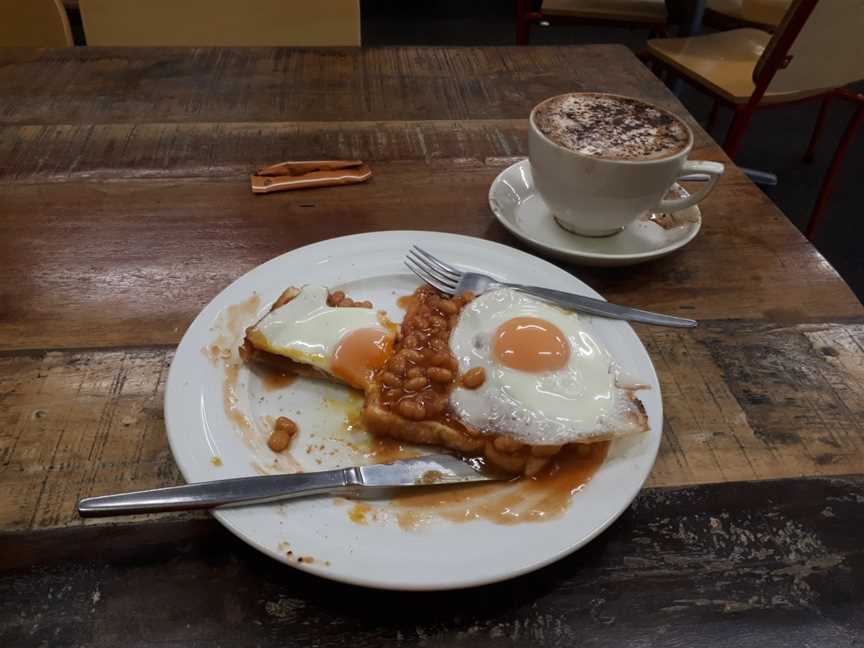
(126, 207)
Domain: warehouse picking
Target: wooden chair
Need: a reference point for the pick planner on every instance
(763, 14)
(221, 22)
(816, 49)
(34, 23)
(640, 13)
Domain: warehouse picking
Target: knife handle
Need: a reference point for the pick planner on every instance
(225, 492)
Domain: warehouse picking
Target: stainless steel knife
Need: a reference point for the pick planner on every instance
(431, 470)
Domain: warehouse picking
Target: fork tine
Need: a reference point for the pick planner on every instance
(444, 267)
(430, 269)
(429, 279)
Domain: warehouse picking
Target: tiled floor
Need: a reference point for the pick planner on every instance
(775, 142)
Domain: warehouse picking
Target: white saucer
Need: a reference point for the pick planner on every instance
(521, 210)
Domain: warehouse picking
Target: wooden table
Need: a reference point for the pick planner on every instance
(125, 207)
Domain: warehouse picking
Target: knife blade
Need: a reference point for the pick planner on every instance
(430, 470)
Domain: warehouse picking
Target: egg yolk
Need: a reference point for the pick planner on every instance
(359, 354)
(530, 344)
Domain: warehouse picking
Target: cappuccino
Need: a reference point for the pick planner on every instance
(611, 127)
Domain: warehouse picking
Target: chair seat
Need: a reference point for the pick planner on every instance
(642, 11)
(723, 62)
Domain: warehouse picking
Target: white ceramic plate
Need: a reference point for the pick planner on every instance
(210, 440)
(518, 207)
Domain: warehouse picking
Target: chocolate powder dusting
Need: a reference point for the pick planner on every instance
(611, 127)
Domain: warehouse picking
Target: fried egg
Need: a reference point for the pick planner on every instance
(348, 343)
(549, 378)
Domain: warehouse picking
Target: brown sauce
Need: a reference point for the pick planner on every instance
(530, 499)
(238, 316)
(231, 402)
(358, 513)
(273, 379)
(406, 301)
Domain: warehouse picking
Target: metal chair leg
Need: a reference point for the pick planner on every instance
(743, 115)
(827, 184)
(523, 26)
(818, 128)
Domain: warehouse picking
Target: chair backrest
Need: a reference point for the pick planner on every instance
(764, 12)
(221, 22)
(817, 46)
(34, 23)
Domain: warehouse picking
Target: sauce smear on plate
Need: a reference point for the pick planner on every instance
(534, 499)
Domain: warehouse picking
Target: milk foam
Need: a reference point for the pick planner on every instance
(613, 127)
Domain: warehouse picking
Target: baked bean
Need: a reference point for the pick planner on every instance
(453, 364)
(448, 307)
(416, 383)
(439, 359)
(412, 355)
(415, 372)
(439, 374)
(437, 323)
(412, 341)
(398, 365)
(420, 322)
(412, 409)
(473, 378)
(335, 298)
(467, 296)
(390, 379)
(283, 431)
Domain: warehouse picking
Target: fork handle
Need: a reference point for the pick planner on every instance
(603, 309)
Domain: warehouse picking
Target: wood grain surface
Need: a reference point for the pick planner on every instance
(97, 85)
(747, 401)
(126, 207)
(696, 566)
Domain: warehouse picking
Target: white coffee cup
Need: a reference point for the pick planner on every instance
(596, 196)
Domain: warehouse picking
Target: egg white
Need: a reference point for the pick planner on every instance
(580, 402)
(307, 330)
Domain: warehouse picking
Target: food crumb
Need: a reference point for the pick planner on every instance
(306, 559)
(359, 511)
(430, 477)
(216, 461)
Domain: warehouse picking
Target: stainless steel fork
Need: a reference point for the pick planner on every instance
(452, 281)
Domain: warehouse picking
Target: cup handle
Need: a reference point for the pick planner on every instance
(712, 169)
